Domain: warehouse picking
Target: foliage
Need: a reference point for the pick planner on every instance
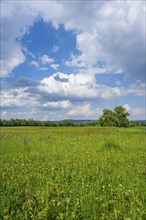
(72, 173)
(31, 122)
(117, 118)
(111, 143)
(107, 119)
(66, 123)
(121, 117)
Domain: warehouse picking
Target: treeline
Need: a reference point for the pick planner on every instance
(67, 123)
(31, 122)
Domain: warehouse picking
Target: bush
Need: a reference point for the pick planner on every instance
(111, 144)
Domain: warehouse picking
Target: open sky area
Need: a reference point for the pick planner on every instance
(72, 59)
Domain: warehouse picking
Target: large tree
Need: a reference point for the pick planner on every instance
(121, 116)
(117, 118)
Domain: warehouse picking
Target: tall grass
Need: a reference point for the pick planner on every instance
(72, 173)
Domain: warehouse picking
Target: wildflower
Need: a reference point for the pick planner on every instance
(36, 197)
(115, 194)
(29, 193)
(58, 203)
(127, 194)
(68, 199)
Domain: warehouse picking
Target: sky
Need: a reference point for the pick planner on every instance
(72, 59)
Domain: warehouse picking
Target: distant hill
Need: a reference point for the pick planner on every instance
(76, 121)
(140, 120)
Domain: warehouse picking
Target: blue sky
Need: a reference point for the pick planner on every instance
(72, 59)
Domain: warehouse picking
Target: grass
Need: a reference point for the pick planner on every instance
(72, 173)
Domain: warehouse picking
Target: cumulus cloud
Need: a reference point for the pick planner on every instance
(45, 59)
(33, 114)
(112, 40)
(58, 90)
(57, 105)
(127, 107)
(84, 111)
(55, 66)
(16, 97)
(43, 68)
(15, 21)
(138, 88)
(34, 63)
(79, 87)
(136, 112)
(24, 82)
(114, 33)
(71, 95)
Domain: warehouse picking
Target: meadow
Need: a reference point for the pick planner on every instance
(80, 173)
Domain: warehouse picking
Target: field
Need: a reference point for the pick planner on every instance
(72, 173)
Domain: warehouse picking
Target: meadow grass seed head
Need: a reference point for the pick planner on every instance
(68, 199)
(127, 194)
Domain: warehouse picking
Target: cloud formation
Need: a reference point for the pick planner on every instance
(79, 87)
(111, 41)
(45, 59)
(114, 33)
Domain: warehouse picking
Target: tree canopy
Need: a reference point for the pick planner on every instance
(117, 118)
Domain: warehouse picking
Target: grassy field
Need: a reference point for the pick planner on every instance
(72, 173)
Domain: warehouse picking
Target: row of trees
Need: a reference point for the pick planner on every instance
(116, 118)
(31, 122)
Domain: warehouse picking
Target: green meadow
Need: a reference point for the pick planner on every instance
(80, 173)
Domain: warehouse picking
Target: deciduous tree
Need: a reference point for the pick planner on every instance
(117, 118)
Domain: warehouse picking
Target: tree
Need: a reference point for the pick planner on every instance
(121, 117)
(117, 118)
(108, 118)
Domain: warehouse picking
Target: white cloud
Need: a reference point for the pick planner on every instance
(55, 66)
(138, 88)
(136, 112)
(33, 114)
(45, 59)
(55, 48)
(34, 63)
(116, 36)
(43, 68)
(60, 104)
(84, 111)
(73, 95)
(118, 82)
(127, 107)
(114, 33)
(77, 87)
(16, 97)
(15, 20)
